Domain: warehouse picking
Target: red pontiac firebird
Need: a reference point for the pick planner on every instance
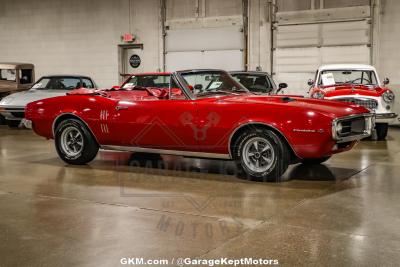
(205, 114)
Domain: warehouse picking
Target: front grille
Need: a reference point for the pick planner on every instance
(354, 126)
(20, 115)
(351, 128)
(367, 103)
(16, 112)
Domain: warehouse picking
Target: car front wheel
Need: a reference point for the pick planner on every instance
(381, 130)
(74, 143)
(261, 155)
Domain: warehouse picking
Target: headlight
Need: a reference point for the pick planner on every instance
(318, 95)
(339, 127)
(388, 96)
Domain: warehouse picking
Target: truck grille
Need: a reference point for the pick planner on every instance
(367, 103)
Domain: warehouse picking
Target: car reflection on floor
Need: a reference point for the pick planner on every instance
(151, 163)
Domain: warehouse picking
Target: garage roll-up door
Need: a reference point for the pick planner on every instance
(301, 49)
(220, 47)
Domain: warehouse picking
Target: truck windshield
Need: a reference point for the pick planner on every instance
(334, 77)
(8, 75)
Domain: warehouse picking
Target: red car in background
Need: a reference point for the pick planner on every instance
(205, 114)
(149, 79)
(356, 84)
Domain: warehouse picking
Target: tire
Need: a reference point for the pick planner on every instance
(84, 147)
(315, 161)
(2, 120)
(269, 145)
(381, 130)
(13, 123)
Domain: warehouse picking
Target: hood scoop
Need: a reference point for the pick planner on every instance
(287, 99)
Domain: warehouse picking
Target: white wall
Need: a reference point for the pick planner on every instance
(259, 35)
(75, 36)
(388, 62)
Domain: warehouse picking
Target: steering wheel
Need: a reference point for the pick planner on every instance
(361, 80)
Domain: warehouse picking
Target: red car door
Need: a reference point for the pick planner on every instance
(159, 124)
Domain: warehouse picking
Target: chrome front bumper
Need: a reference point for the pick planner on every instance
(386, 116)
(369, 125)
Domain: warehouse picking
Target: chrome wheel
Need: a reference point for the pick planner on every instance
(258, 154)
(72, 141)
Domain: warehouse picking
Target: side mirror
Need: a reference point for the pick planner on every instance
(198, 87)
(282, 85)
(386, 81)
(116, 87)
(310, 82)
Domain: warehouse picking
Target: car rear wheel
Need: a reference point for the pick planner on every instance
(315, 161)
(74, 143)
(381, 130)
(13, 123)
(261, 155)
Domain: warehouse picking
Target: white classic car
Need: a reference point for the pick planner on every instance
(357, 84)
(12, 107)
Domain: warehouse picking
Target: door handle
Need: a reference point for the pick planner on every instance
(120, 107)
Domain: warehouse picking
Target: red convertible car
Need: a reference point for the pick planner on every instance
(203, 113)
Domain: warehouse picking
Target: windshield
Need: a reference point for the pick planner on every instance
(334, 77)
(8, 75)
(255, 83)
(60, 83)
(157, 81)
(212, 82)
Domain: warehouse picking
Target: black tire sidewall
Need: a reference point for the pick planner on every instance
(13, 123)
(279, 165)
(381, 130)
(90, 147)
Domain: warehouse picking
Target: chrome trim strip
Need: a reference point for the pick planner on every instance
(166, 152)
(386, 115)
(367, 131)
(260, 123)
(73, 114)
(14, 110)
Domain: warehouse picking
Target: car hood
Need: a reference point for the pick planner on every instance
(333, 109)
(348, 89)
(23, 98)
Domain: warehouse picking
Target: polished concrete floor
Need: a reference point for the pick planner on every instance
(343, 213)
